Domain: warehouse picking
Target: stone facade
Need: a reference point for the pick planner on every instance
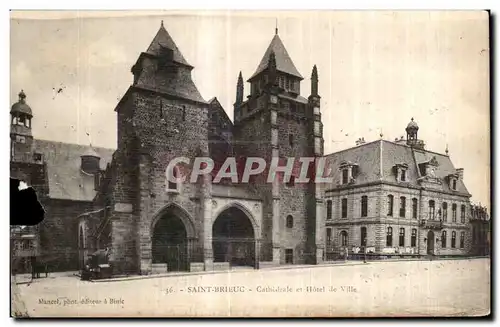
(389, 188)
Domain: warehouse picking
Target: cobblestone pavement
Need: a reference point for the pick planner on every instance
(411, 288)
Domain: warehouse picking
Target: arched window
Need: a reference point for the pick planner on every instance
(414, 237)
(432, 209)
(363, 236)
(344, 239)
(462, 213)
(402, 206)
(401, 237)
(454, 212)
(389, 236)
(390, 204)
(289, 221)
(329, 209)
(364, 206)
(445, 211)
(344, 208)
(462, 240)
(443, 239)
(414, 208)
(453, 239)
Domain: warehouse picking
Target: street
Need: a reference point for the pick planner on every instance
(407, 288)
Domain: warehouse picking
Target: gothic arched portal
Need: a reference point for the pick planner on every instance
(170, 243)
(233, 238)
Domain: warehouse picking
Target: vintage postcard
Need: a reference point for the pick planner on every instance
(250, 164)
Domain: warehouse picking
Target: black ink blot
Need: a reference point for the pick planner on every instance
(25, 209)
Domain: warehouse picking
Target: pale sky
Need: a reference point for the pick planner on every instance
(377, 70)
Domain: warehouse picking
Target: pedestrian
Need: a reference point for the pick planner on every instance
(346, 254)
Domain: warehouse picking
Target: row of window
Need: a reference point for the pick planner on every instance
(442, 213)
(389, 238)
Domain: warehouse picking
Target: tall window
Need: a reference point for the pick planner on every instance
(289, 221)
(363, 236)
(329, 209)
(390, 204)
(344, 208)
(414, 237)
(432, 209)
(389, 236)
(462, 240)
(364, 206)
(453, 239)
(462, 213)
(454, 185)
(401, 237)
(443, 239)
(403, 175)
(328, 237)
(414, 208)
(445, 211)
(290, 139)
(343, 238)
(345, 176)
(402, 207)
(454, 212)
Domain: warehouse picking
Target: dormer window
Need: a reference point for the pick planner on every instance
(345, 176)
(349, 172)
(400, 170)
(452, 181)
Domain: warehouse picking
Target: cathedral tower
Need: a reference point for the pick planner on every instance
(275, 121)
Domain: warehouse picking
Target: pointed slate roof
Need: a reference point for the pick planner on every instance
(163, 39)
(283, 61)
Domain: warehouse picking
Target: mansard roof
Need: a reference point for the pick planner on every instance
(377, 159)
(284, 63)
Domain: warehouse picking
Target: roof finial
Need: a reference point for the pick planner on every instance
(22, 95)
(276, 30)
(446, 151)
(161, 23)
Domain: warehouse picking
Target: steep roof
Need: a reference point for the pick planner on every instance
(283, 61)
(163, 39)
(66, 179)
(376, 161)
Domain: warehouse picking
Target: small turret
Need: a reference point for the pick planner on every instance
(239, 89)
(314, 81)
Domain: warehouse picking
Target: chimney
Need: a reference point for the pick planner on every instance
(460, 172)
